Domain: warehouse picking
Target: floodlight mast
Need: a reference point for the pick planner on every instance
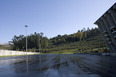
(26, 38)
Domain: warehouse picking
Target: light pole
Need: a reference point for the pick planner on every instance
(26, 49)
(26, 38)
(39, 43)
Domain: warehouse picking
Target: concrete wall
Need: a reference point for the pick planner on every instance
(10, 52)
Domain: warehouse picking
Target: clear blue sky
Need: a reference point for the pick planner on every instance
(52, 17)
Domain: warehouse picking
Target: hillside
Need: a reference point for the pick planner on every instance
(83, 41)
(91, 44)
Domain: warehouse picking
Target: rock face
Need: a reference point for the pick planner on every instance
(10, 52)
(107, 26)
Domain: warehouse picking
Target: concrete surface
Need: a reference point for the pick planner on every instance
(51, 65)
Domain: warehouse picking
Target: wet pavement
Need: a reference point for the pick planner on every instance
(56, 65)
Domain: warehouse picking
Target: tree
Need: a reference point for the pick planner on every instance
(79, 35)
(84, 35)
(83, 30)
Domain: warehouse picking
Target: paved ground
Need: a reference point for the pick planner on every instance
(73, 65)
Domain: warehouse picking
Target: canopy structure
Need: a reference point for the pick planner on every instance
(107, 26)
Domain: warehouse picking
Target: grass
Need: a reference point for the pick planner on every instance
(72, 51)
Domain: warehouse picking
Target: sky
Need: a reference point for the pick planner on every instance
(52, 17)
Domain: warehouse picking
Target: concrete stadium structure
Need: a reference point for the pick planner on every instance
(107, 26)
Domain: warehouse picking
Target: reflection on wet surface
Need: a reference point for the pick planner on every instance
(51, 65)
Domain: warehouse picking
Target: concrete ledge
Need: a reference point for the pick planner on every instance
(113, 54)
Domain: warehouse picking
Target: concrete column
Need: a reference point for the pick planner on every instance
(108, 29)
(110, 19)
(101, 29)
(113, 14)
(102, 25)
(112, 23)
(104, 29)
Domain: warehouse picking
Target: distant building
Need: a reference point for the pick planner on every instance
(107, 26)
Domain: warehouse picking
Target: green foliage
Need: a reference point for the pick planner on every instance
(80, 35)
(35, 41)
(83, 41)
